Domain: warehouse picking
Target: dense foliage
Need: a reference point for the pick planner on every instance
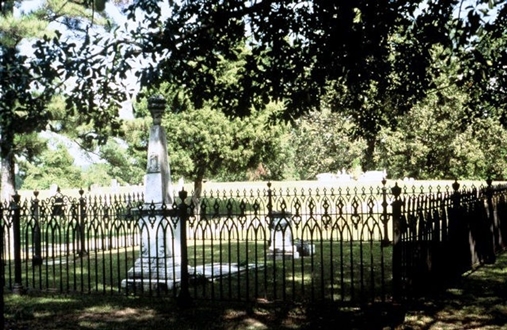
(324, 142)
(55, 65)
(357, 83)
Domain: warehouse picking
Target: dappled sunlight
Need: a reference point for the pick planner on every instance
(455, 291)
(250, 323)
(113, 314)
(265, 316)
(418, 321)
(241, 320)
(477, 301)
(232, 314)
(343, 261)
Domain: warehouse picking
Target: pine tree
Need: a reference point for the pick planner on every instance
(35, 77)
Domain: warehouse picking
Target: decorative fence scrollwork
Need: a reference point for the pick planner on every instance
(347, 244)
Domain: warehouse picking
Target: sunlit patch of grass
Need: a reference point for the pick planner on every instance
(251, 324)
(455, 291)
(418, 321)
(501, 309)
(461, 307)
(112, 313)
(99, 309)
(42, 314)
(89, 324)
(43, 300)
(477, 301)
(233, 314)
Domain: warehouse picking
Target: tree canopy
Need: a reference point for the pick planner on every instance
(299, 49)
(374, 55)
(57, 64)
(373, 61)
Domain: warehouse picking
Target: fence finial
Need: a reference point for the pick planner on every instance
(455, 185)
(16, 197)
(396, 190)
(183, 194)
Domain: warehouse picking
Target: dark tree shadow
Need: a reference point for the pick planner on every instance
(476, 300)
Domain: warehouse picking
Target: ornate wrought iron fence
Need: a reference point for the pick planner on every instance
(333, 244)
(443, 233)
(277, 244)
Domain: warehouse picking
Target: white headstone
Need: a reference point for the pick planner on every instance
(53, 189)
(281, 237)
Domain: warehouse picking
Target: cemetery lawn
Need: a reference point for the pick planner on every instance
(478, 301)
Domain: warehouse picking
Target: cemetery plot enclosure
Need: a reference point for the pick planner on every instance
(351, 245)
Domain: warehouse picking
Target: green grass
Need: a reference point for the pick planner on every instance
(100, 271)
(343, 271)
(477, 301)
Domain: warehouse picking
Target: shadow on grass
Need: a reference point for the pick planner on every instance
(477, 301)
(120, 312)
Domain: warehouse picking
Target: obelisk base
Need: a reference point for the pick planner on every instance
(155, 274)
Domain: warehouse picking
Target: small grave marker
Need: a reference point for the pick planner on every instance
(281, 242)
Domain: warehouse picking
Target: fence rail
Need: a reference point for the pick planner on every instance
(344, 244)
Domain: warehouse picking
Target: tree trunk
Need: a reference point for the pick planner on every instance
(8, 181)
(8, 185)
(196, 196)
(368, 161)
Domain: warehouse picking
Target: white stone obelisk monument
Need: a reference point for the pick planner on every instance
(159, 262)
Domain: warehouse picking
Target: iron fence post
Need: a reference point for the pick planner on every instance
(397, 247)
(16, 227)
(184, 299)
(37, 249)
(82, 219)
(270, 242)
(385, 219)
(456, 206)
(2, 268)
(456, 233)
(490, 230)
(270, 203)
